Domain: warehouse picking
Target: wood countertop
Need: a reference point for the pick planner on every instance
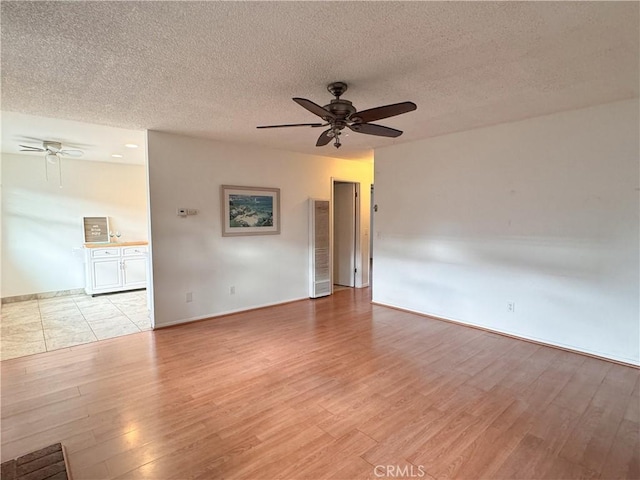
(114, 244)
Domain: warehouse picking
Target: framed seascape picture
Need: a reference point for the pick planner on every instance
(250, 210)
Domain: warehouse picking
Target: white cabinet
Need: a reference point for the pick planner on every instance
(134, 272)
(115, 268)
(105, 274)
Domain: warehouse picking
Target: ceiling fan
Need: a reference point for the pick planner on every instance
(341, 114)
(52, 148)
(52, 153)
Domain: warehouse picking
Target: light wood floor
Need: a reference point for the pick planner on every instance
(327, 388)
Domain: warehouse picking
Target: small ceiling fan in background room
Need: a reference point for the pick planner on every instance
(341, 114)
(53, 152)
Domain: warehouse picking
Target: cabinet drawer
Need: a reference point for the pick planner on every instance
(139, 250)
(104, 252)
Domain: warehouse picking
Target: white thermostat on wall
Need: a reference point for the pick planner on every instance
(183, 212)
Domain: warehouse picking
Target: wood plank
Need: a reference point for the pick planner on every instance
(486, 454)
(623, 459)
(578, 392)
(325, 388)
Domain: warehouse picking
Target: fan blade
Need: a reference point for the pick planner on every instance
(71, 153)
(293, 125)
(324, 138)
(29, 139)
(373, 129)
(315, 108)
(379, 113)
(29, 148)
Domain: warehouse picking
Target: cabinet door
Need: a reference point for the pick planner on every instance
(106, 274)
(135, 272)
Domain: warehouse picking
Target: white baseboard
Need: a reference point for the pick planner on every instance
(227, 312)
(632, 362)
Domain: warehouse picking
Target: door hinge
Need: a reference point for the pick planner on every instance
(356, 194)
(355, 270)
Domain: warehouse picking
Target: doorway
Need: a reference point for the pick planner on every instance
(345, 234)
(374, 209)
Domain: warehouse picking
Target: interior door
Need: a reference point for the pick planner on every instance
(344, 234)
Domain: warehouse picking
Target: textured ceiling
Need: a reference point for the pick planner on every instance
(219, 69)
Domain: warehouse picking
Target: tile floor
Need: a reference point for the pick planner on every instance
(43, 325)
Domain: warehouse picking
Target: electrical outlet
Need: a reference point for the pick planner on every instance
(189, 297)
(511, 307)
(182, 212)
(232, 290)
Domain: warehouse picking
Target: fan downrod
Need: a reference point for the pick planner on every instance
(337, 88)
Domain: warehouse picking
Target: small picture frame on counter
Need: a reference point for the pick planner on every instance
(96, 229)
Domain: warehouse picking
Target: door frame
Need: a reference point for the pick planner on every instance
(358, 240)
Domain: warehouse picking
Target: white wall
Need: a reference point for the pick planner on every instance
(1, 210)
(42, 223)
(541, 212)
(190, 255)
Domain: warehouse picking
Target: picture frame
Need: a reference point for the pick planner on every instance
(96, 229)
(249, 210)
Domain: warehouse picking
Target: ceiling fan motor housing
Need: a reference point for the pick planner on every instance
(340, 108)
(53, 147)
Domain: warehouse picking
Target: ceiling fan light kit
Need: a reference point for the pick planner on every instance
(340, 114)
(53, 152)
